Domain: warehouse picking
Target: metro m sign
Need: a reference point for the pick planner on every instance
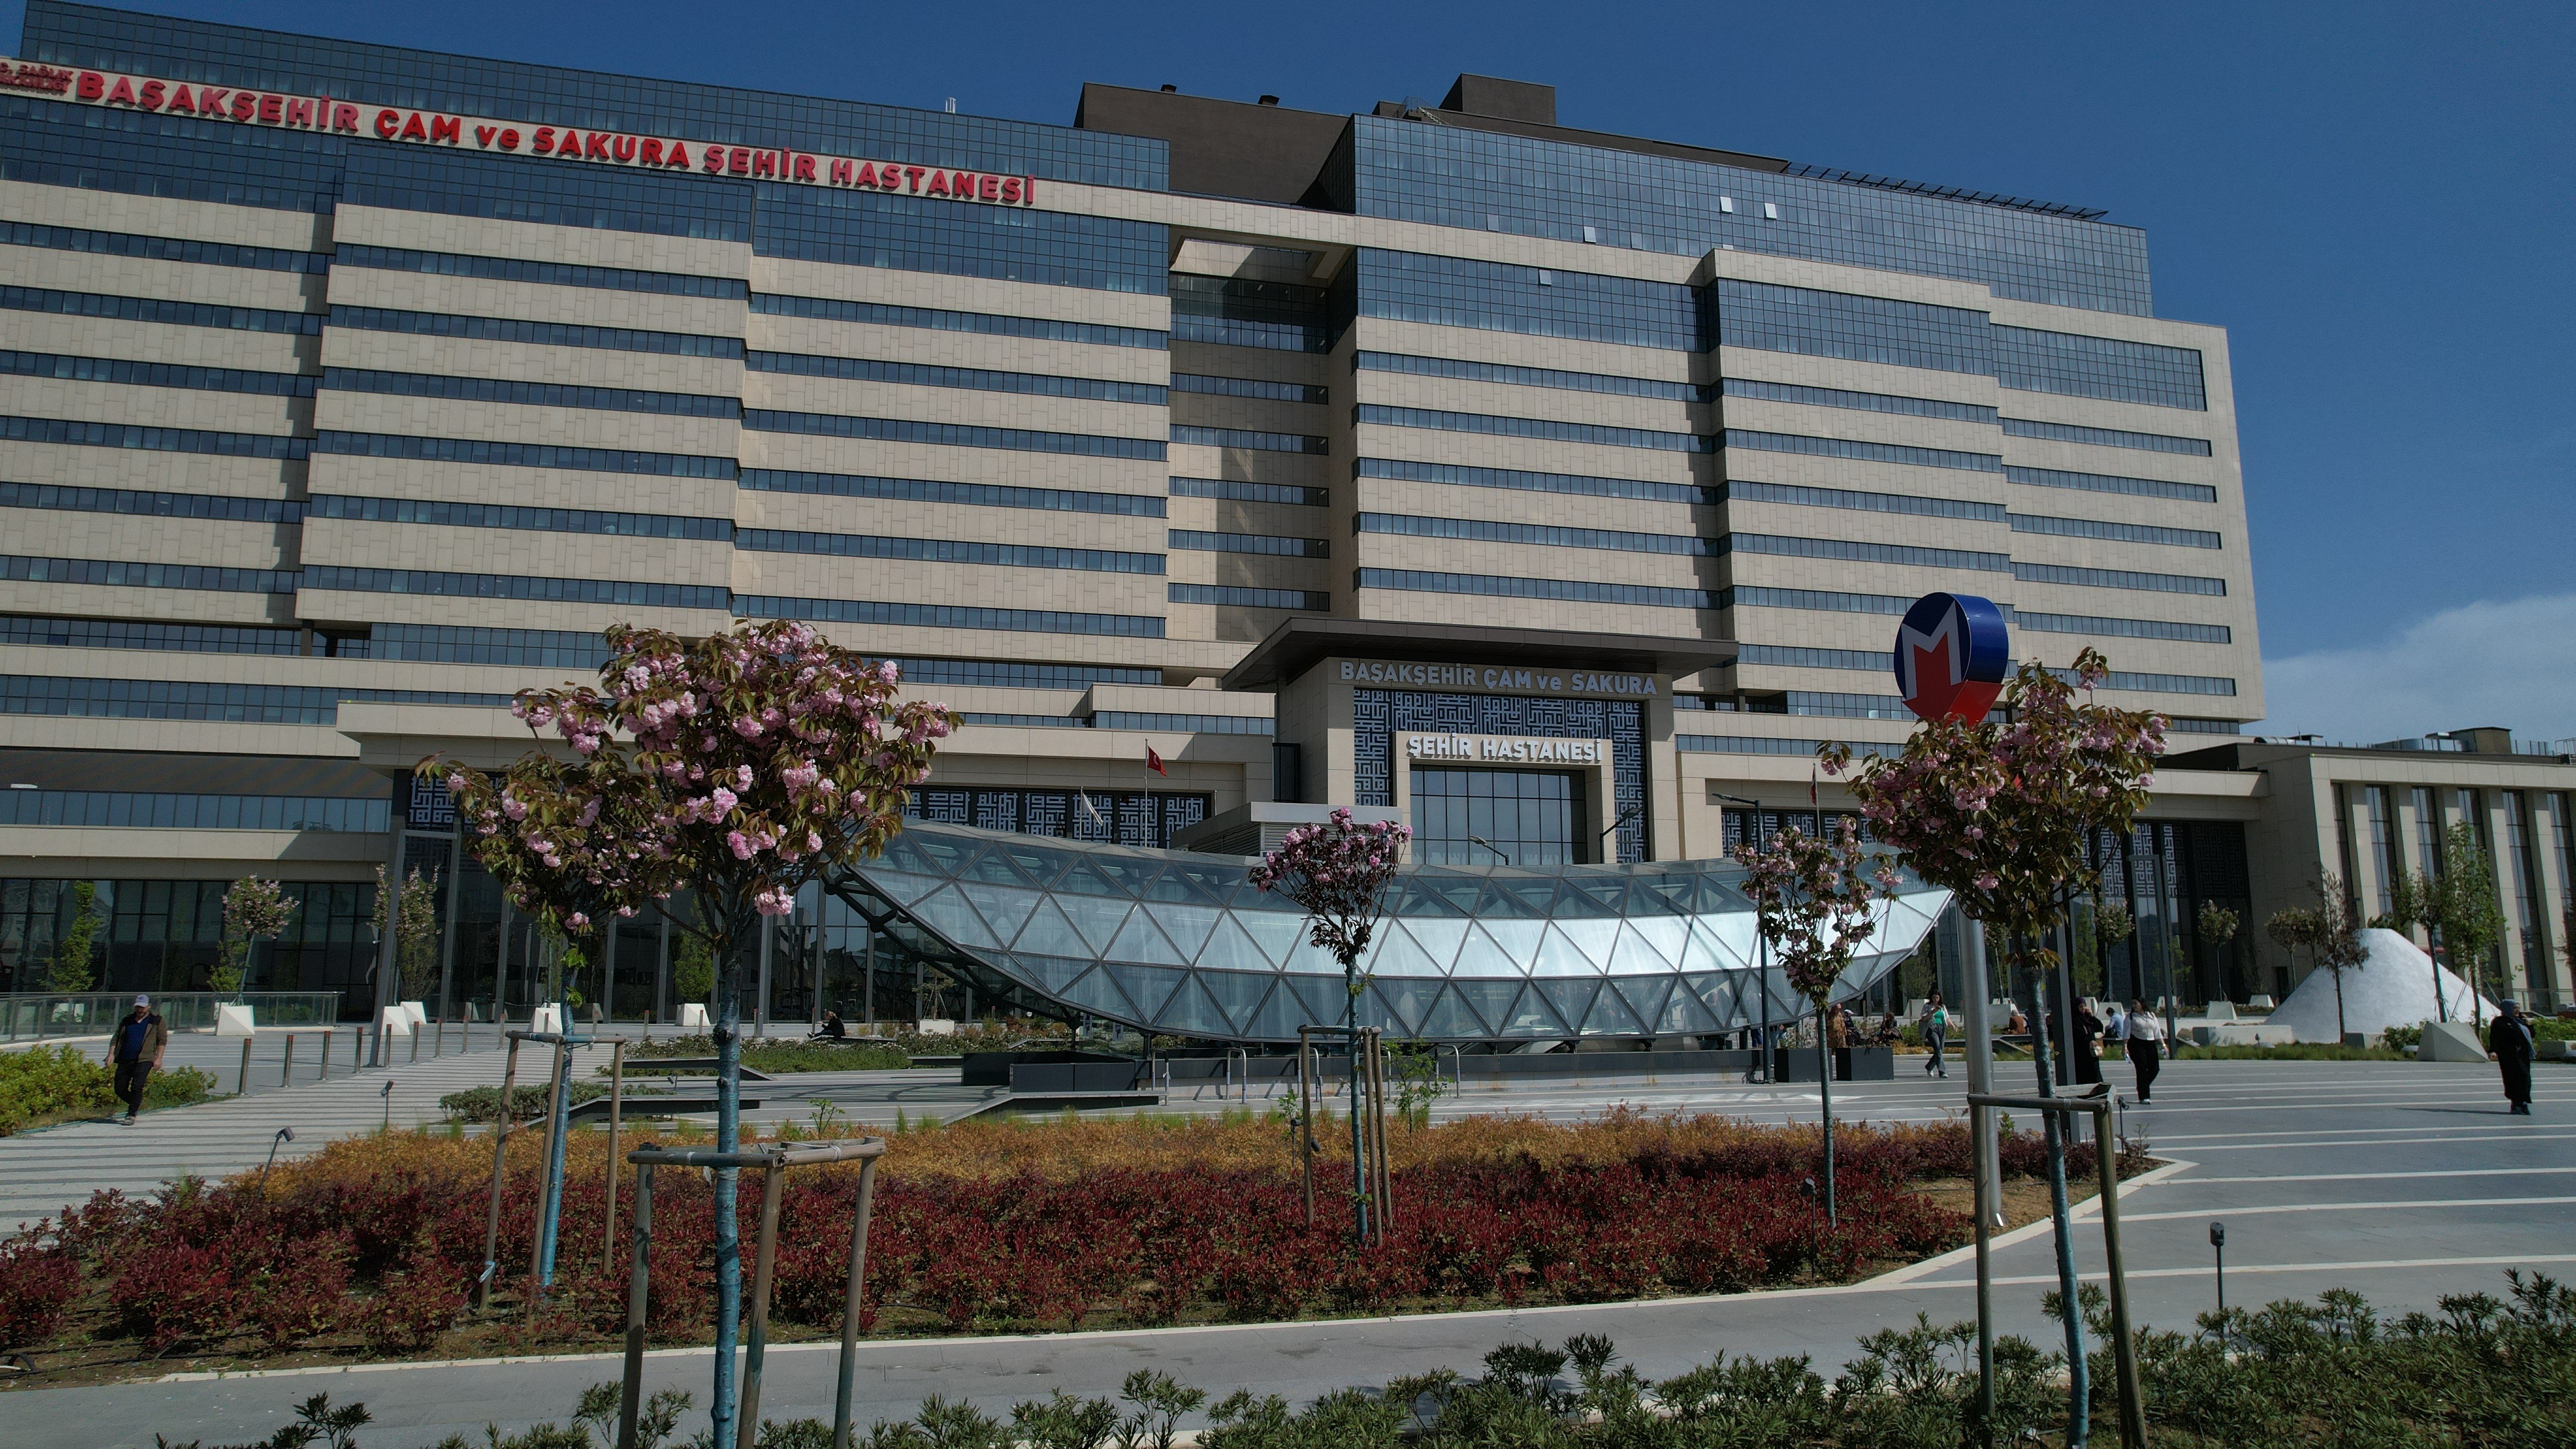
(1952, 652)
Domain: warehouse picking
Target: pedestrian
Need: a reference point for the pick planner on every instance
(1936, 1035)
(1837, 1027)
(2144, 1034)
(2509, 1038)
(2088, 1034)
(141, 1041)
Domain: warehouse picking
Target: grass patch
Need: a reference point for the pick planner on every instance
(2301, 1051)
(774, 1057)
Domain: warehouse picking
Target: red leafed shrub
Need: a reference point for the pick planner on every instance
(37, 1282)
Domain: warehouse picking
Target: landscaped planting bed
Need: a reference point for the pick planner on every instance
(371, 1247)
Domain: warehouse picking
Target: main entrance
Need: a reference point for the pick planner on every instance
(1498, 817)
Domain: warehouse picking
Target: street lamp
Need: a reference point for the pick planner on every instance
(1489, 845)
(1761, 943)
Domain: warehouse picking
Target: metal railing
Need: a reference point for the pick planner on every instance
(36, 1015)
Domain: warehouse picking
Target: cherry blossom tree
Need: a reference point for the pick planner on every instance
(252, 908)
(1339, 872)
(1813, 899)
(1999, 811)
(735, 770)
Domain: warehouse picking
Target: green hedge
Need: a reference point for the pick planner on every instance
(46, 1084)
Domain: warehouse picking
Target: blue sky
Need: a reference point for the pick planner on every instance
(2375, 200)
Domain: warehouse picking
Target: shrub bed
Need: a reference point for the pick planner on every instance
(46, 1084)
(773, 1057)
(372, 1247)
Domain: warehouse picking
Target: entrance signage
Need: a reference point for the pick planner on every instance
(1952, 651)
(1499, 679)
(631, 150)
(1503, 749)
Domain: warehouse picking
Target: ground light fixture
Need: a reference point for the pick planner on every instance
(2218, 1247)
(284, 1135)
(388, 1095)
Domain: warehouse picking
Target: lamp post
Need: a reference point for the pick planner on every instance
(1489, 845)
(1761, 943)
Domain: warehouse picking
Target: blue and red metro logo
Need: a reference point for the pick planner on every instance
(1952, 652)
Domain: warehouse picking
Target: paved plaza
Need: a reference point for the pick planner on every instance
(2403, 1181)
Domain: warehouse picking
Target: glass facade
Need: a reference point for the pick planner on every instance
(1511, 817)
(1179, 943)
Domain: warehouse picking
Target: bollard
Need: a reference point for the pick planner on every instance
(415, 1043)
(244, 1089)
(286, 1064)
(325, 1074)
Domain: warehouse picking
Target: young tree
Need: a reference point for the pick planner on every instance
(252, 908)
(1999, 811)
(741, 767)
(73, 969)
(2294, 929)
(415, 931)
(1813, 899)
(1339, 873)
(2337, 940)
(2461, 904)
(2217, 926)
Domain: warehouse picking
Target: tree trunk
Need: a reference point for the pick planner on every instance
(1825, 1087)
(727, 1020)
(2341, 1030)
(2079, 1388)
(1359, 1159)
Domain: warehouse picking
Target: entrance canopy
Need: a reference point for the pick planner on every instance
(1183, 944)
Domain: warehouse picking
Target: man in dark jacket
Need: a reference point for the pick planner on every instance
(2509, 1038)
(141, 1041)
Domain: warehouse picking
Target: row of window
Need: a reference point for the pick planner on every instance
(979, 495)
(928, 234)
(506, 188)
(1312, 601)
(2117, 579)
(2106, 437)
(486, 453)
(23, 569)
(1408, 471)
(1857, 552)
(153, 440)
(2111, 483)
(2071, 364)
(2123, 628)
(168, 699)
(1496, 426)
(1568, 590)
(947, 616)
(2161, 683)
(1864, 502)
(1821, 601)
(1873, 402)
(1045, 329)
(1534, 301)
(498, 515)
(1240, 491)
(21, 629)
(64, 368)
(550, 274)
(1801, 658)
(945, 550)
(952, 435)
(1483, 530)
(162, 248)
(1250, 438)
(1865, 452)
(121, 809)
(1549, 377)
(1021, 676)
(920, 374)
(1252, 387)
(1027, 721)
(1243, 312)
(1204, 724)
(467, 644)
(141, 503)
(1255, 543)
(530, 394)
(2122, 532)
(514, 586)
(150, 309)
(1849, 326)
(536, 334)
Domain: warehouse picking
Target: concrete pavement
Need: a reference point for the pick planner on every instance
(2403, 1181)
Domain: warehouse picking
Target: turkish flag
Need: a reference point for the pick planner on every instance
(1154, 762)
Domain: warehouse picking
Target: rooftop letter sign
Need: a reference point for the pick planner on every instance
(1952, 653)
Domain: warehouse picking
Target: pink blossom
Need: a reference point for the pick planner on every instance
(577, 921)
(741, 848)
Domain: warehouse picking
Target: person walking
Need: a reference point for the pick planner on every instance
(142, 1039)
(1936, 1035)
(2509, 1037)
(2088, 1036)
(2144, 1032)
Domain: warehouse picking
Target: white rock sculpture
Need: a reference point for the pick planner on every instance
(2393, 988)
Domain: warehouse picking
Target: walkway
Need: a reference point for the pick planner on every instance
(2404, 1181)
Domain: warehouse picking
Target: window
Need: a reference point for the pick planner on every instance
(2123, 628)
(2117, 579)
(1239, 491)
(156, 440)
(1875, 402)
(1865, 502)
(1802, 320)
(510, 586)
(952, 435)
(944, 550)
(2106, 437)
(1260, 543)
(483, 453)
(1496, 817)
(1449, 422)
(496, 515)
(928, 234)
(154, 374)
(2122, 532)
(2374, 800)
(1597, 382)
(1498, 297)
(164, 248)
(1818, 600)
(1869, 660)
(1841, 548)
(549, 274)
(550, 193)
(2075, 365)
(531, 394)
(916, 374)
(146, 309)
(1869, 452)
(150, 505)
(1203, 724)
(979, 495)
(538, 334)
(1252, 387)
(1006, 675)
(2109, 483)
(1529, 482)
(883, 314)
(118, 809)
(120, 634)
(17, 568)
(1568, 590)
(460, 644)
(946, 616)
(1247, 438)
(1548, 536)
(1310, 601)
